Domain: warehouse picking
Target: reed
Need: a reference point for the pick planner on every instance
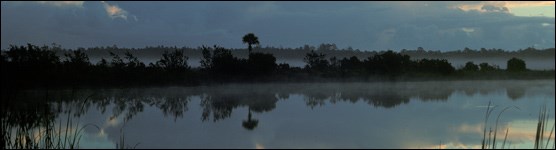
(540, 141)
(121, 143)
(43, 134)
(541, 128)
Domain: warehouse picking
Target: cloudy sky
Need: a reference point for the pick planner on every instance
(361, 25)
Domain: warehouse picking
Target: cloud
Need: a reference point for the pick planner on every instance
(361, 25)
(116, 12)
(498, 6)
(63, 3)
(491, 8)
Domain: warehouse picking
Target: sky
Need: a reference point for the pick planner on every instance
(370, 25)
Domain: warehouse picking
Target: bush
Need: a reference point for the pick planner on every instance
(516, 65)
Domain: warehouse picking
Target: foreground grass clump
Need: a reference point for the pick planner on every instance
(540, 133)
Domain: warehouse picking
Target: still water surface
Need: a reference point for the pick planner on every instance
(432, 114)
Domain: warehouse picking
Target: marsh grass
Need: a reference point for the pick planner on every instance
(121, 144)
(42, 133)
(44, 136)
(540, 141)
(541, 128)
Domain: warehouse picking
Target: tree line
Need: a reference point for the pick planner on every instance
(153, 52)
(31, 66)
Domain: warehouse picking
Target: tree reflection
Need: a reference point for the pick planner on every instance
(516, 92)
(250, 124)
(220, 104)
(29, 108)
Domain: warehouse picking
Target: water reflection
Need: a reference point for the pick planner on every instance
(34, 109)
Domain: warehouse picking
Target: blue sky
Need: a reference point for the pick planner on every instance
(361, 25)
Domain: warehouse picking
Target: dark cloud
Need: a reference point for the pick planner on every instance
(362, 25)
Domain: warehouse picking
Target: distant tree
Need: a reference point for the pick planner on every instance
(77, 65)
(325, 46)
(173, 62)
(389, 62)
(487, 67)
(351, 64)
(77, 59)
(206, 61)
(117, 62)
(221, 61)
(132, 61)
(315, 61)
(441, 66)
(516, 65)
(420, 49)
(308, 47)
(470, 66)
(33, 55)
(250, 39)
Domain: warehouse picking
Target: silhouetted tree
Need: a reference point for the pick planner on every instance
(487, 67)
(32, 65)
(206, 60)
(117, 62)
(516, 65)
(77, 59)
(132, 61)
(77, 66)
(351, 66)
(33, 56)
(250, 39)
(316, 62)
(435, 66)
(389, 63)
(173, 62)
(470, 66)
(222, 62)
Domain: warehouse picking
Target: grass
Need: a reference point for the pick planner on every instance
(45, 136)
(42, 134)
(541, 130)
(21, 132)
(121, 143)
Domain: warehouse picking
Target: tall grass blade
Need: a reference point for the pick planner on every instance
(496, 125)
(549, 136)
(539, 136)
(487, 114)
(505, 137)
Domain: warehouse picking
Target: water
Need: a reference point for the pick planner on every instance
(447, 114)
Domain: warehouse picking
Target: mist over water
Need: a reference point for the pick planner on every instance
(532, 63)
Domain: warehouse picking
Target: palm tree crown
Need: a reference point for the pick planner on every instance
(250, 39)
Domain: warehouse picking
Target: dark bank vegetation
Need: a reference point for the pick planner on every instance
(30, 66)
(34, 66)
(151, 53)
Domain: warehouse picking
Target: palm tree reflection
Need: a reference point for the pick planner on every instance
(250, 123)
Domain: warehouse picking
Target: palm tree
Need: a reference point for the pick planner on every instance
(250, 39)
(250, 124)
